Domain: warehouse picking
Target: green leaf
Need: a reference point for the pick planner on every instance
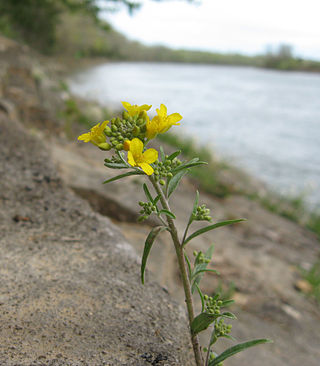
(228, 315)
(147, 193)
(235, 349)
(174, 181)
(201, 297)
(188, 263)
(116, 165)
(162, 154)
(147, 247)
(155, 201)
(120, 154)
(135, 172)
(202, 321)
(226, 303)
(189, 164)
(211, 227)
(174, 155)
(199, 268)
(194, 209)
(168, 213)
(205, 270)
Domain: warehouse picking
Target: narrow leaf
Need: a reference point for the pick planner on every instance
(235, 349)
(119, 153)
(200, 267)
(174, 155)
(168, 213)
(201, 297)
(155, 201)
(211, 227)
(147, 193)
(163, 157)
(135, 172)
(201, 322)
(147, 247)
(174, 181)
(116, 165)
(189, 165)
(194, 209)
(228, 315)
(188, 263)
(205, 270)
(226, 303)
(195, 205)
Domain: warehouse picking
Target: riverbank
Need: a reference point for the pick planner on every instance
(74, 254)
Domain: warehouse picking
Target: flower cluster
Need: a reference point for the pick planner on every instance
(201, 258)
(147, 209)
(132, 133)
(163, 169)
(202, 214)
(212, 305)
(221, 329)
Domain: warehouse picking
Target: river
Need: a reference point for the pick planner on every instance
(265, 122)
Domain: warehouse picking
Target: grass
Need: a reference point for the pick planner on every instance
(312, 276)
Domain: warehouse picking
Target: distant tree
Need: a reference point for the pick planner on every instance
(35, 21)
(285, 51)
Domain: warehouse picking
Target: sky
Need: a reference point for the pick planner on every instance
(244, 26)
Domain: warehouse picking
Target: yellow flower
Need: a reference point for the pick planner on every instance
(135, 109)
(141, 159)
(162, 122)
(96, 134)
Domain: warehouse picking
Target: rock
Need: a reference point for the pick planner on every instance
(70, 290)
(303, 286)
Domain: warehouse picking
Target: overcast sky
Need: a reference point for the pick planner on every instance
(245, 26)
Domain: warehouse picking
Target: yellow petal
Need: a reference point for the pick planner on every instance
(162, 112)
(131, 159)
(86, 137)
(126, 105)
(103, 125)
(150, 156)
(174, 118)
(136, 147)
(144, 107)
(152, 128)
(146, 168)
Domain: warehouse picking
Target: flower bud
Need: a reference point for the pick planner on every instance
(125, 115)
(107, 131)
(162, 182)
(119, 147)
(126, 145)
(104, 146)
(135, 131)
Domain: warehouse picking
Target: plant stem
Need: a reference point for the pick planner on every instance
(183, 271)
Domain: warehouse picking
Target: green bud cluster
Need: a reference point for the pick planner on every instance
(119, 130)
(163, 169)
(147, 209)
(212, 305)
(201, 258)
(114, 159)
(202, 214)
(221, 329)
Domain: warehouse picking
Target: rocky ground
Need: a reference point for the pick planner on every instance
(70, 292)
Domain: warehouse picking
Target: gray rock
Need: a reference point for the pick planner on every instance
(70, 290)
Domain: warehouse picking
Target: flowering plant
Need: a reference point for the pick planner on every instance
(131, 133)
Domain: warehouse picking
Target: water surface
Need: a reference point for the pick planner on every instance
(267, 122)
